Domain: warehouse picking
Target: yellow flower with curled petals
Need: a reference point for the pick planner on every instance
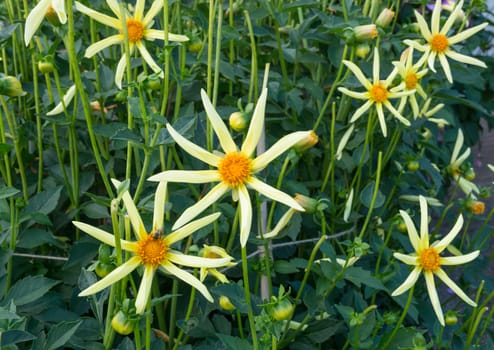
(214, 252)
(439, 44)
(427, 259)
(378, 93)
(410, 80)
(235, 169)
(44, 8)
(153, 250)
(138, 29)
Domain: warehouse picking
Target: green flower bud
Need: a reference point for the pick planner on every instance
(122, 324)
(45, 67)
(362, 50)
(11, 86)
(239, 121)
(226, 304)
(282, 310)
(450, 318)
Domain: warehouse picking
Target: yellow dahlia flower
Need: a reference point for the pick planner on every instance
(426, 259)
(439, 44)
(153, 250)
(138, 30)
(235, 169)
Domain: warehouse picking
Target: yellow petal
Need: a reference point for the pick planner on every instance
(132, 212)
(431, 289)
(98, 16)
(144, 290)
(454, 287)
(459, 259)
(256, 126)
(113, 277)
(407, 259)
(103, 236)
(159, 206)
(119, 73)
(67, 98)
(273, 193)
(361, 110)
(189, 229)
(358, 74)
(412, 232)
(59, 7)
(139, 10)
(245, 214)
(196, 261)
(424, 28)
(187, 278)
(153, 11)
(409, 282)
(443, 243)
(187, 176)
(424, 223)
(34, 19)
(103, 44)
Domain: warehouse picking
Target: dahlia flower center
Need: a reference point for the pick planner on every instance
(135, 30)
(429, 259)
(378, 93)
(439, 43)
(234, 169)
(152, 250)
(411, 81)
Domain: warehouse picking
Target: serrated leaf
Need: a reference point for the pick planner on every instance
(60, 334)
(30, 289)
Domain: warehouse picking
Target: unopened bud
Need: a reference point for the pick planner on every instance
(239, 121)
(450, 318)
(362, 50)
(226, 304)
(308, 142)
(385, 17)
(469, 174)
(365, 32)
(11, 86)
(45, 67)
(309, 204)
(475, 207)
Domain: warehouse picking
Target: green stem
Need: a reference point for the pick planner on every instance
(400, 321)
(250, 313)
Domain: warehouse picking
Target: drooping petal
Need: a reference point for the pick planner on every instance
(430, 61)
(187, 176)
(443, 243)
(194, 150)
(119, 73)
(459, 161)
(281, 146)
(34, 19)
(66, 99)
(113, 277)
(354, 94)
(103, 44)
(211, 197)
(132, 212)
(343, 142)
(187, 278)
(409, 282)
(396, 114)
(147, 57)
(245, 214)
(103, 236)
(196, 261)
(218, 125)
(417, 46)
(144, 289)
(159, 206)
(407, 259)
(466, 33)
(358, 74)
(256, 125)
(59, 7)
(465, 59)
(457, 147)
(382, 120)
(98, 16)
(189, 229)
(273, 193)
(460, 259)
(361, 110)
(454, 287)
(412, 232)
(424, 223)
(284, 220)
(423, 26)
(431, 289)
(153, 11)
(445, 65)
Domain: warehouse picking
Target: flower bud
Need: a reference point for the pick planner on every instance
(308, 142)
(385, 17)
(122, 324)
(45, 67)
(11, 86)
(282, 310)
(362, 50)
(365, 32)
(239, 121)
(450, 318)
(413, 165)
(469, 174)
(226, 304)
(153, 83)
(475, 207)
(309, 204)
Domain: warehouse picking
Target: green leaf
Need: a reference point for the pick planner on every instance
(15, 336)
(35, 237)
(358, 276)
(60, 334)
(96, 211)
(284, 267)
(5, 148)
(6, 192)
(44, 202)
(7, 315)
(368, 192)
(234, 343)
(30, 289)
